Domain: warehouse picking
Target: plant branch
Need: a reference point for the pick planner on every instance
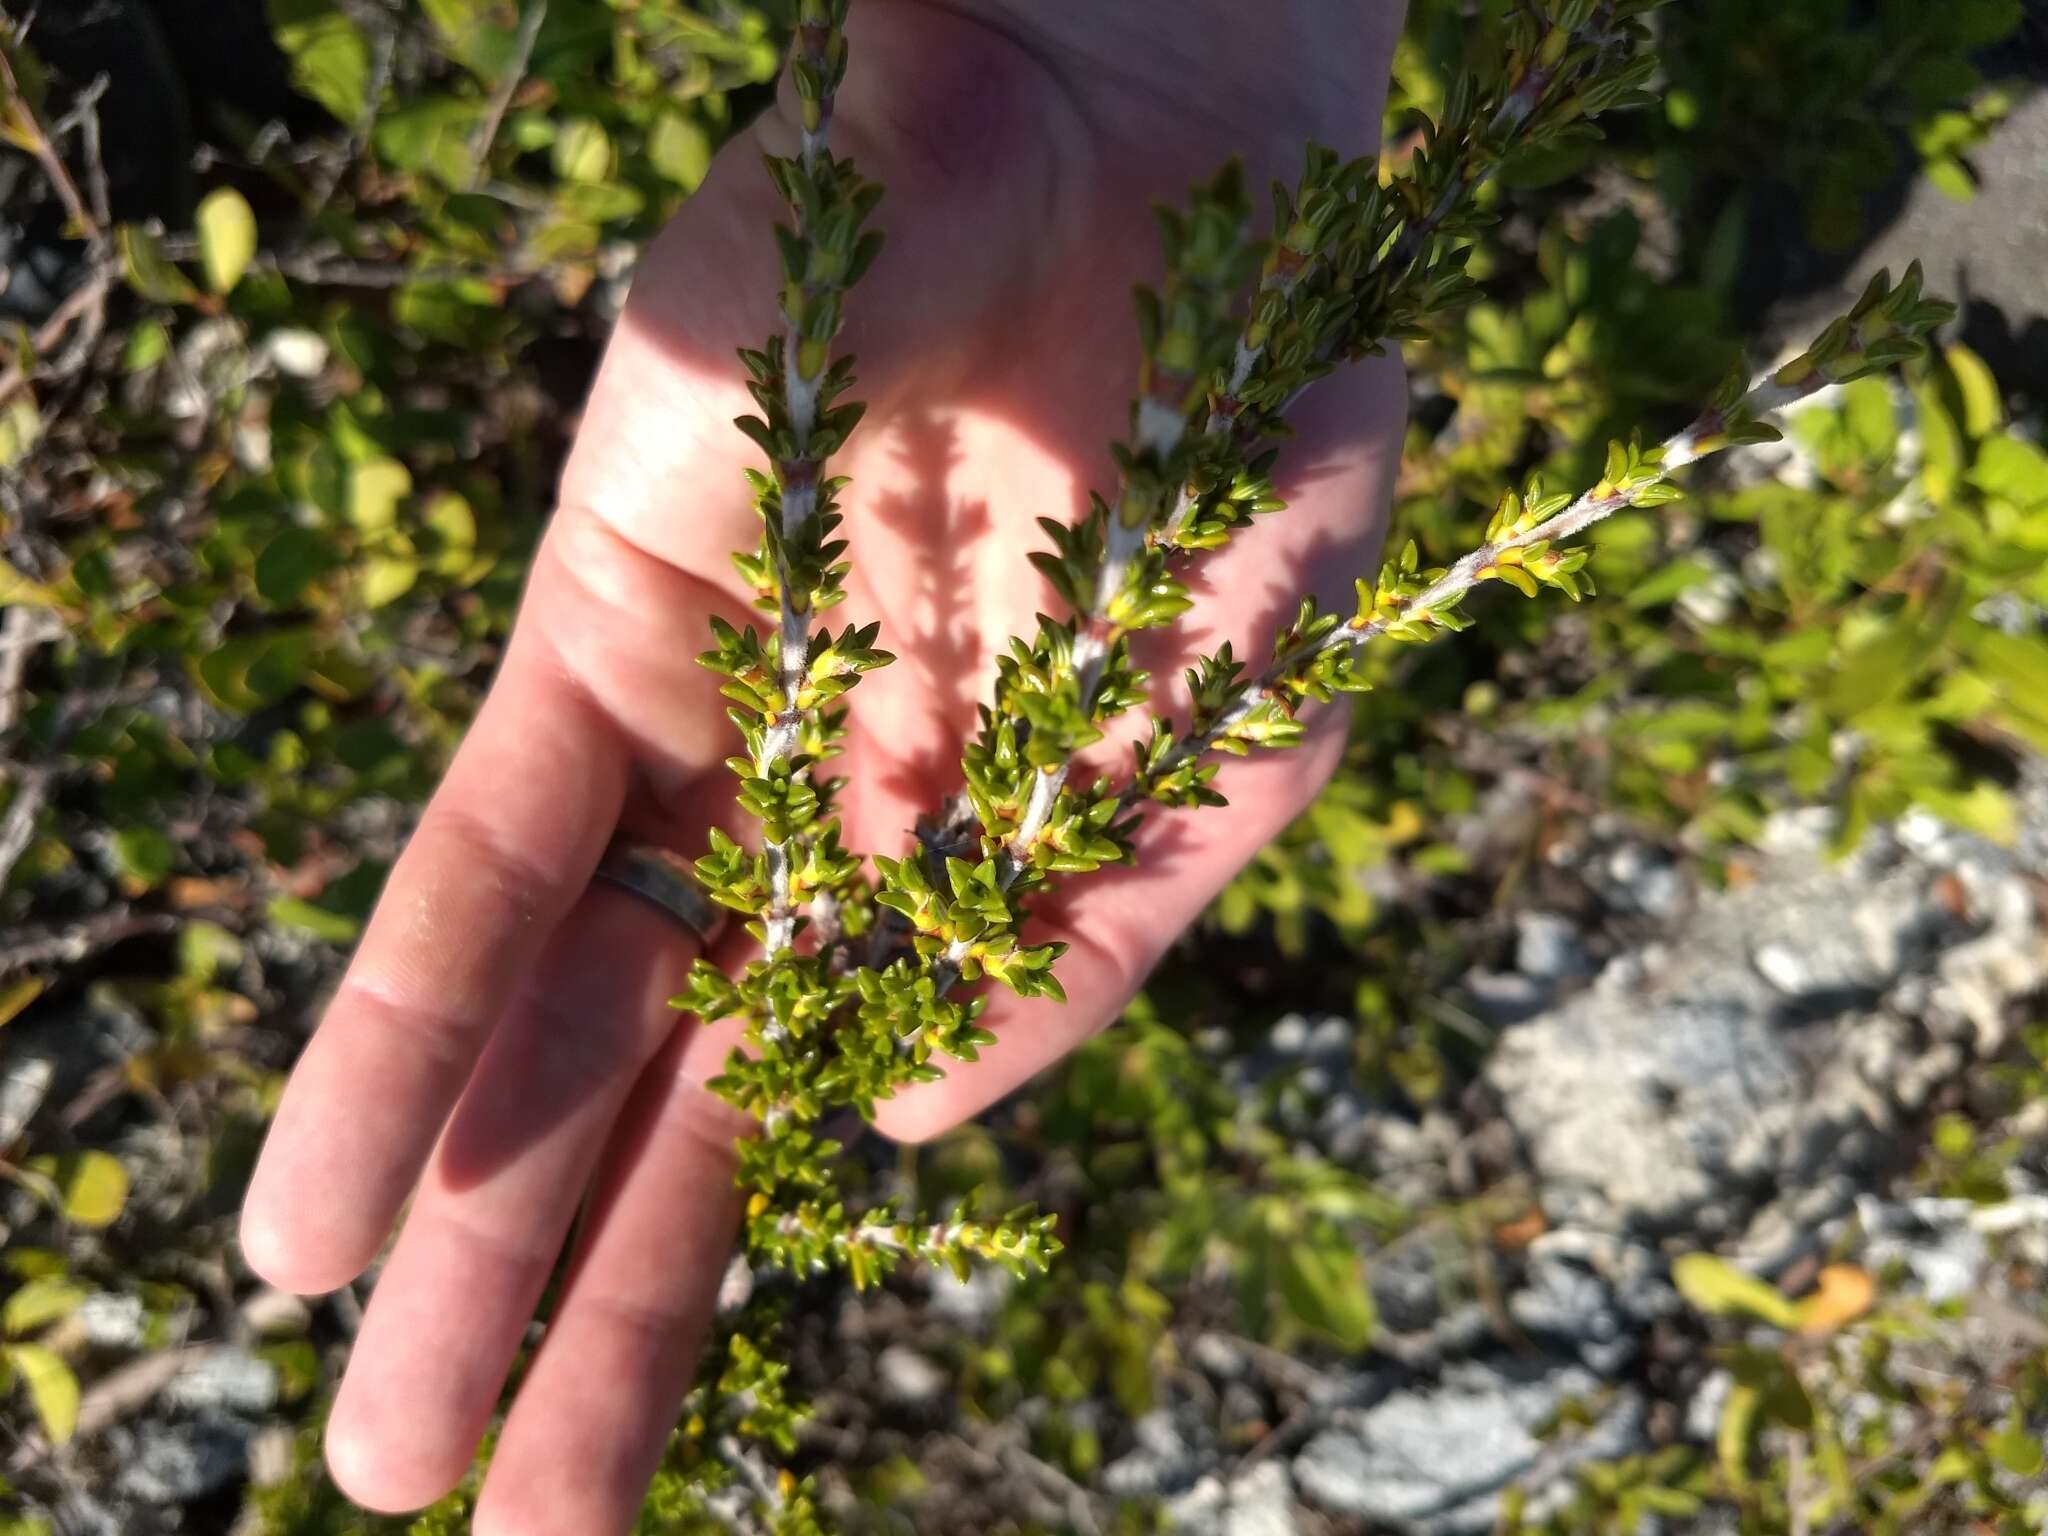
(530, 23)
(803, 367)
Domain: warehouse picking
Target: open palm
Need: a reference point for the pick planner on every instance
(501, 1051)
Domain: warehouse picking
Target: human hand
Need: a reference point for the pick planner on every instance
(500, 1049)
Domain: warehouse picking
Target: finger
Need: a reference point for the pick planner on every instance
(452, 1305)
(609, 1379)
(509, 840)
(1117, 925)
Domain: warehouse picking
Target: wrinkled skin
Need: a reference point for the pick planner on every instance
(500, 1052)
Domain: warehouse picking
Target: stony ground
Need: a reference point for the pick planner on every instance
(1750, 1070)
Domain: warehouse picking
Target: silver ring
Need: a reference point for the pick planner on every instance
(664, 879)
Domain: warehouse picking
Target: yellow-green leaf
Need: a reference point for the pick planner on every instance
(452, 521)
(51, 1387)
(389, 574)
(227, 237)
(17, 995)
(375, 489)
(17, 590)
(330, 58)
(21, 428)
(1983, 409)
(583, 151)
(1731, 1436)
(679, 150)
(92, 1185)
(39, 1302)
(1324, 1288)
(1715, 1286)
(149, 272)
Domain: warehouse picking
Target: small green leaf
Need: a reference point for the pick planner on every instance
(246, 674)
(93, 1186)
(144, 855)
(679, 150)
(2013, 468)
(17, 590)
(1718, 1288)
(17, 995)
(227, 237)
(1731, 1435)
(375, 489)
(38, 1303)
(149, 272)
(332, 927)
(1878, 669)
(388, 574)
(2016, 1447)
(1983, 408)
(330, 60)
(21, 428)
(291, 562)
(1324, 1287)
(51, 1387)
(583, 151)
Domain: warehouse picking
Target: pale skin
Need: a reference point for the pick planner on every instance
(500, 1054)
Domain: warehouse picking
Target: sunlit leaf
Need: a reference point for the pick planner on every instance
(149, 272)
(38, 1303)
(50, 1386)
(1718, 1288)
(227, 237)
(330, 60)
(92, 1186)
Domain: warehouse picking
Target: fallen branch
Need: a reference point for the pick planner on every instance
(70, 944)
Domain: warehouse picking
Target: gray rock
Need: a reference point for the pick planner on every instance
(1222, 1357)
(274, 1314)
(1985, 253)
(23, 1086)
(1260, 1503)
(1697, 1076)
(112, 1321)
(1434, 1461)
(1703, 1408)
(907, 1377)
(735, 1286)
(1341, 1124)
(1164, 1461)
(1571, 1304)
(78, 1513)
(1547, 947)
(228, 1379)
(971, 1303)
(1646, 880)
(1412, 1280)
(1943, 1254)
(1504, 997)
(176, 1463)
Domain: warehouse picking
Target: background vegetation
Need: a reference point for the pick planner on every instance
(287, 387)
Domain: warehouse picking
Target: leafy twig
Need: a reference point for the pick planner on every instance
(530, 23)
(1314, 656)
(26, 129)
(350, 149)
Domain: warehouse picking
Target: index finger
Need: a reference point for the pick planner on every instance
(507, 844)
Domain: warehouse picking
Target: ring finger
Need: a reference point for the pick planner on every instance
(500, 1190)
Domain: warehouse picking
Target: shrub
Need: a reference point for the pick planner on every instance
(376, 475)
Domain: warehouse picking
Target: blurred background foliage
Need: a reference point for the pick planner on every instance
(295, 345)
